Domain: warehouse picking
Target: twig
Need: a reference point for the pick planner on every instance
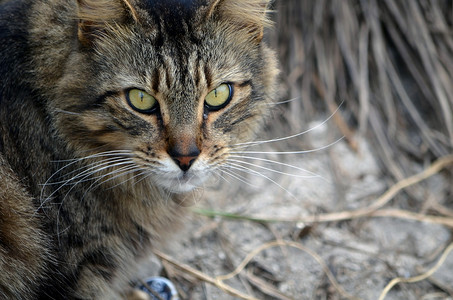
(404, 214)
(202, 276)
(419, 277)
(265, 287)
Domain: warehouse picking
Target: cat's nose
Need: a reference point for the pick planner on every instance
(184, 162)
(184, 159)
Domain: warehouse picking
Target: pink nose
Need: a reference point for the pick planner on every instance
(184, 158)
(184, 162)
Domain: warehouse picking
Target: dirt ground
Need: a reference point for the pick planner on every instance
(304, 241)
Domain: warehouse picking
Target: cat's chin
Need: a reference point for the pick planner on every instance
(172, 179)
(180, 185)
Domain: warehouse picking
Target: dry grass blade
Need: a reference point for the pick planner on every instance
(265, 287)
(202, 276)
(420, 277)
(403, 214)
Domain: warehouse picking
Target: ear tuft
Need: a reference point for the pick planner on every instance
(248, 16)
(95, 15)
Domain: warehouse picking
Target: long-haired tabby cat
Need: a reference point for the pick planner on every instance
(110, 110)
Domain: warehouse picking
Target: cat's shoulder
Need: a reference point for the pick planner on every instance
(21, 239)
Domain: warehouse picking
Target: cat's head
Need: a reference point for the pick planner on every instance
(173, 86)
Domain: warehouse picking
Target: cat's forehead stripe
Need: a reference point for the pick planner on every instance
(155, 80)
(208, 75)
(173, 11)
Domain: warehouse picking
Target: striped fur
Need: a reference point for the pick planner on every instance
(88, 185)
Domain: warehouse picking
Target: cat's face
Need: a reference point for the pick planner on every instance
(171, 92)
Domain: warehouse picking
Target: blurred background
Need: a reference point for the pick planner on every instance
(389, 63)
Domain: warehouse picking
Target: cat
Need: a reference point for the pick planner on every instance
(111, 112)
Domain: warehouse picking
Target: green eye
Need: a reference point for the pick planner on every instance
(141, 101)
(219, 97)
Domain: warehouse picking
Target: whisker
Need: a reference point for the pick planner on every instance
(98, 179)
(283, 102)
(83, 177)
(237, 176)
(95, 167)
(96, 155)
(290, 152)
(253, 172)
(75, 160)
(88, 168)
(313, 175)
(89, 177)
(219, 173)
(249, 144)
(66, 112)
(269, 169)
(144, 173)
(118, 173)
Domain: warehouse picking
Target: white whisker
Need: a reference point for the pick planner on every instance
(123, 171)
(85, 175)
(144, 175)
(312, 175)
(237, 176)
(269, 169)
(97, 155)
(89, 177)
(283, 102)
(66, 112)
(219, 173)
(75, 160)
(89, 167)
(249, 144)
(290, 152)
(82, 176)
(253, 172)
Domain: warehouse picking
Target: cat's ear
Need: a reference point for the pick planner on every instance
(95, 15)
(246, 16)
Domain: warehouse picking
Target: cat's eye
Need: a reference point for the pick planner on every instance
(219, 97)
(141, 101)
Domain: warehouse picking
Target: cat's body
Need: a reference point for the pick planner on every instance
(109, 112)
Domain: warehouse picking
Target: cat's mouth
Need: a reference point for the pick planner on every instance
(186, 182)
(175, 180)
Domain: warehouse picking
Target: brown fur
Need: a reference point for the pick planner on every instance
(249, 16)
(22, 245)
(87, 183)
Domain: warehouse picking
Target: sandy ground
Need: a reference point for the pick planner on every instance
(362, 255)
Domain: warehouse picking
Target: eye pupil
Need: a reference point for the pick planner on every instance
(219, 97)
(141, 101)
